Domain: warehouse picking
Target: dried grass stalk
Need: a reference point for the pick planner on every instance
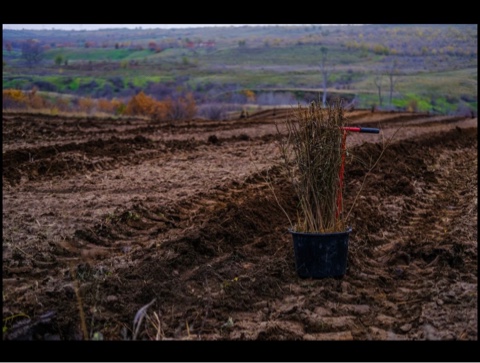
(312, 153)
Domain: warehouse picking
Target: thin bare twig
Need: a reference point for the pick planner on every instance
(137, 320)
(80, 305)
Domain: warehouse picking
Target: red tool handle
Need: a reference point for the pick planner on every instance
(342, 166)
(369, 130)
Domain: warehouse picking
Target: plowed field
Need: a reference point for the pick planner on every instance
(103, 217)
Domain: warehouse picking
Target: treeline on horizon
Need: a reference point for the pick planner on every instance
(421, 39)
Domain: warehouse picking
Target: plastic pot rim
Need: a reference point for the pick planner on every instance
(348, 230)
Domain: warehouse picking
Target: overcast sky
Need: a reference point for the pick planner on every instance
(103, 26)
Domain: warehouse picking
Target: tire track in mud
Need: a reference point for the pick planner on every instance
(209, 250)
(213, 254)
(44, 163)
(58, 129)
(381, 298)
(417, 121)
(60, 158)
(415, 254)
(390, 269)
(143, 221)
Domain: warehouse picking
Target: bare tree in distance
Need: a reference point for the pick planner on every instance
(392, 73)
(378, 83)
(32, 52)
(326, 69)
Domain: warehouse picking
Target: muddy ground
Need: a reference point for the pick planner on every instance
(104, 216)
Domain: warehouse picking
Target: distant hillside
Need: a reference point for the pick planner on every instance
(423, 67)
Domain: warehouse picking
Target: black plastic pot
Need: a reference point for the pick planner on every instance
(320, 255)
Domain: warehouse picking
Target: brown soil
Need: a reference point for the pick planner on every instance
(104, 216)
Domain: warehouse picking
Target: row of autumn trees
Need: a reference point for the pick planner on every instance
(139, 105)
